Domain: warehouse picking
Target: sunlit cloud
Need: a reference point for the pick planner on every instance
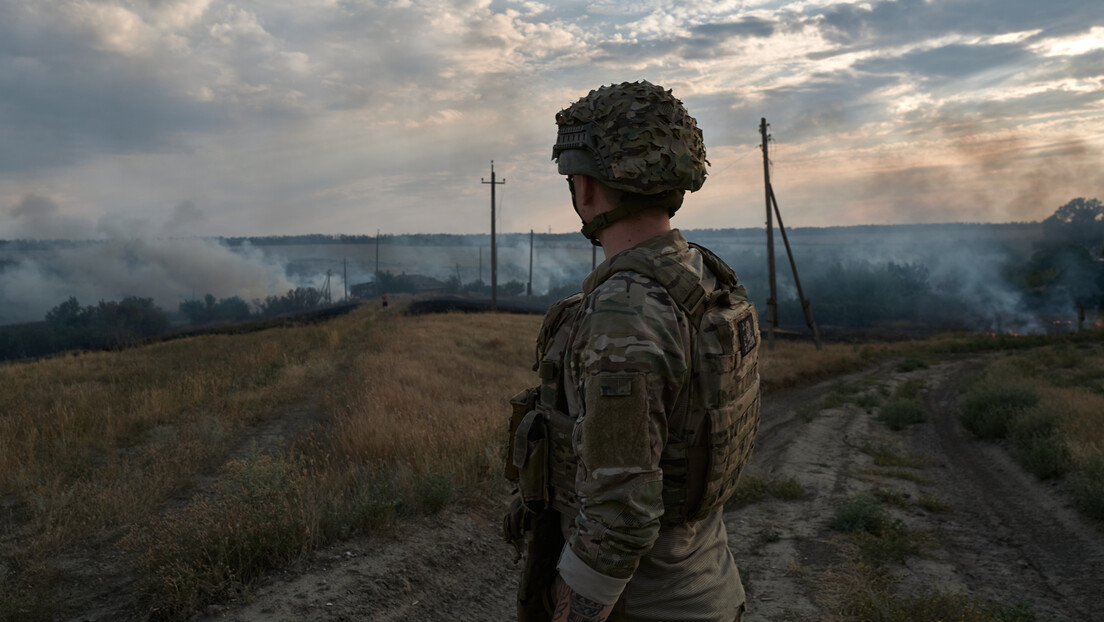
(245, 117)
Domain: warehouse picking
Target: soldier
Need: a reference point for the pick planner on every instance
(649, 396)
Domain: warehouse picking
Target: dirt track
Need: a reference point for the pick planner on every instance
(1006, 536)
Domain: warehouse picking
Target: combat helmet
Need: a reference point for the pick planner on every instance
(635, 137)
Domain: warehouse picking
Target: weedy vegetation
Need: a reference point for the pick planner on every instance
(756, 486)
(864, 586)
(1046, 405)
(186, 469)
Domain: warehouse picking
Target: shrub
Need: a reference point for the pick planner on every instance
(910, 389)
(786, 487)
(932, 504)
(887, 455)
(893, 543)
(988, 410)
(1086, 486)
(937, 606)
(861, 514)
(911, 363)
(900, 414)
(435, 491)
(1038, 444)
(755, 487)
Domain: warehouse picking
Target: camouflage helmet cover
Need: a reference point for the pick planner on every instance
(639, 138)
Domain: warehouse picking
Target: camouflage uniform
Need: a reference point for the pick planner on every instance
(649, 396)
(626, 373)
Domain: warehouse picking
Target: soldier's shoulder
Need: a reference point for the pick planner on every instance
(630, 301)
(627, 287)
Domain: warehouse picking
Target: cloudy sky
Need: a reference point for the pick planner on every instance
(254, 117)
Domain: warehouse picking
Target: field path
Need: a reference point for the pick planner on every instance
(1004, 535)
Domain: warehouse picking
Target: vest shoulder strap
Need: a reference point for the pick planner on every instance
(681, 283)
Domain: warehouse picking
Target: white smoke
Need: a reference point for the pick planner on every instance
(124, 259)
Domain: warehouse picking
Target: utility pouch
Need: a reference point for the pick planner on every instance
(520, 404)
(531, 461)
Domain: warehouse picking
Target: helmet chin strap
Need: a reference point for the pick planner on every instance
(624, 209)
(601, 221)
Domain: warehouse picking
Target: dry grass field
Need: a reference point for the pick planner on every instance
(175, 473)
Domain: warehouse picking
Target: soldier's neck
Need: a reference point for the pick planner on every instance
(628, 232)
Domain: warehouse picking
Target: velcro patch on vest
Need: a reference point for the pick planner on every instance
(614, 386)
(614, 430)
(746, 328)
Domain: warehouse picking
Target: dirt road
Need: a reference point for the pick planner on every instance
(990, 530)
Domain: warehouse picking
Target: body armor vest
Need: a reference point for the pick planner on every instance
(711, 433)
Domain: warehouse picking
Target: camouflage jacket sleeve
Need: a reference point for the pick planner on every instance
(628, 366)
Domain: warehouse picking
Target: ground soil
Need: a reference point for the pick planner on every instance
(1004, 535)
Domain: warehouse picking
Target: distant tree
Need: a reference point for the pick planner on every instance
(67, 313)
(511, 288)
(1079, 222)
(477, 287)
(1067, 263)
(297, 300)
(208, 310)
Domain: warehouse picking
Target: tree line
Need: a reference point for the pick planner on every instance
(113, 324)
(1064, 273)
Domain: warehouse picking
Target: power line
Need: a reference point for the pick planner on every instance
(494, 250)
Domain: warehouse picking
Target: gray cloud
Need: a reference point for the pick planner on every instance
(64, 101)
(741, 28)
(1090, 65)
(907, 21)
(38, 217)
(950, 62)
(824, 104)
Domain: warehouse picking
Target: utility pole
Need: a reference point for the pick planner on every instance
(494, 249)
(377, 283)
(529, 287)
(345, 278)
(772, 303)
(326, 287)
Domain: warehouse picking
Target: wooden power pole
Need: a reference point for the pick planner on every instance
(772, 302)
(494, 250)
(529, 286)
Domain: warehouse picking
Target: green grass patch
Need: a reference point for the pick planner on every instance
(765, 536)
(904, 473)
(902, 413)
(757, 486)
(808, 412)
(887, 454)
(860, 514)
(911, 363)
(891, 497)
(435, 491)
(1086, 486)
(882, 605)
(892, 544)
(1038, 443)
(988, 410)
(933, 505)
(909, 389)
(869, 401)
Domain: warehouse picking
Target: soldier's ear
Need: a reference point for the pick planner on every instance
(587, 192)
